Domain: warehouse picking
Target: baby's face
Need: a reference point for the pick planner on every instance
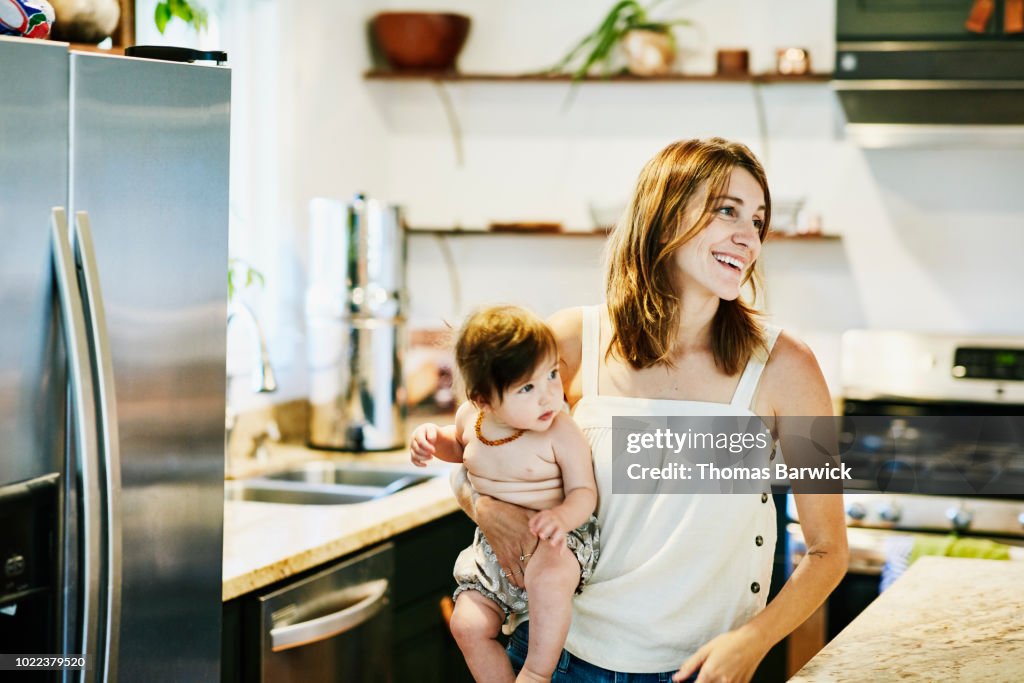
(532, 402)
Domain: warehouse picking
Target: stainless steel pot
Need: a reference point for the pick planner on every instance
(355, 320)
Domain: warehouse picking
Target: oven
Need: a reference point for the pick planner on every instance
(932, 429)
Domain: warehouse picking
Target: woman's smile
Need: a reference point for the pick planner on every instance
(734, 264)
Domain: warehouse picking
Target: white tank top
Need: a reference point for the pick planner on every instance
(675, 570)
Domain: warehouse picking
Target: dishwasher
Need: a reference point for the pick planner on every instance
(332, 626)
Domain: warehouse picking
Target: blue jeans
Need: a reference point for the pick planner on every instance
(572, 669)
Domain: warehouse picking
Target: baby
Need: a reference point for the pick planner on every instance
(517, 445)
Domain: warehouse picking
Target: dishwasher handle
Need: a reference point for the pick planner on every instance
(327, 626)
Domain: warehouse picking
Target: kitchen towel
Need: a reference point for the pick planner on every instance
(953, 546)
(903, 550)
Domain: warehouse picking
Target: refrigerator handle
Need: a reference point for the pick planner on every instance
(84, 428)
(110, 460)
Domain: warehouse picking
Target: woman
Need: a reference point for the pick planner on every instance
(682, 581)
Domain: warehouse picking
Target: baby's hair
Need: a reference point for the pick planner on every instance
(498, 346)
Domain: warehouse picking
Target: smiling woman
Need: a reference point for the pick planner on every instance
(682, 582)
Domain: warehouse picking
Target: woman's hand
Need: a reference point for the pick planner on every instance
(507, 529)
(731, 657)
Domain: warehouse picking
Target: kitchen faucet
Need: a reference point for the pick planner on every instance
(264, 381)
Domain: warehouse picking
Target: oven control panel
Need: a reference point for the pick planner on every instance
(988, 363)
(947, 514)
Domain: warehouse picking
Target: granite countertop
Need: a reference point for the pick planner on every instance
(945, 619)
(267, 542)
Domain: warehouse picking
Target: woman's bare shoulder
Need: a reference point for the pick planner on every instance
(567, 322)
(791, 354)
(793, 382)
(567, 325)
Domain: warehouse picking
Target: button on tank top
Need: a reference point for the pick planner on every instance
(675, 570)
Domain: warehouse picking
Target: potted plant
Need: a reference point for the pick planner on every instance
(648, 45)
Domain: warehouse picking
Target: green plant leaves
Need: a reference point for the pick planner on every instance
(597, 47)
(161, 16)
(192, 14)
(239, 270)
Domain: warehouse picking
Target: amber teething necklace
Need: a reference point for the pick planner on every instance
(496, 442)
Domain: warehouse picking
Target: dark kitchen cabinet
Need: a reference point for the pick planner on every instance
(423, 648)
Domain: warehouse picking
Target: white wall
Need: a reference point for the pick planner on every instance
(928, 235)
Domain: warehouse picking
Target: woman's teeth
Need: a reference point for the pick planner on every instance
(729, 261)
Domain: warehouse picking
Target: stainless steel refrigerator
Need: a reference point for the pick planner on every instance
(113, 258)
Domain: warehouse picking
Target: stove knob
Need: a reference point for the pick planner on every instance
(889, 512)
(856, 511)
(960, 518)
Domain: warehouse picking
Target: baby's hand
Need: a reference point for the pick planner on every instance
(548, 525)
(421, 446)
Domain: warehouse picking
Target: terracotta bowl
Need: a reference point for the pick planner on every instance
(420, 40)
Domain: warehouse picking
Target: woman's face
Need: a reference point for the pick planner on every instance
(718, 258)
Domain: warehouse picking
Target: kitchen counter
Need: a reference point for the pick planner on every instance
(267, 542)
(945, 619)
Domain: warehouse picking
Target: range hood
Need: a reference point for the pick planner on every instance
(934, 93)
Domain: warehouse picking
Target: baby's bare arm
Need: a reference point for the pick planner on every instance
(449, 446)
(572, 453)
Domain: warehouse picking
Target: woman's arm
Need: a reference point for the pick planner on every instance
(506, 526)
(567, 326)
(796, 389)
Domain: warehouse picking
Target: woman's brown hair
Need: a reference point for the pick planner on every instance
(642, 303)
(497, 347)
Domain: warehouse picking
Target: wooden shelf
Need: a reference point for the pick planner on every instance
(542, 77)
(469, 232)
(88, 47)
(464, 232)
(789, 237)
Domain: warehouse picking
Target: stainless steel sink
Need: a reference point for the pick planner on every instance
(350, 475)
(323, 483)
(262, 492)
